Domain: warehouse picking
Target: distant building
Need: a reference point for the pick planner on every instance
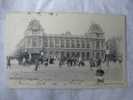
(85, 45)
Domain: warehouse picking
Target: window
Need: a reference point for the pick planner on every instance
(28, 42)
(51, 42)
(102, 53)
(34, 41)
(102, 44)
(68, 54)
(62, 53)
(62, 44)
(97, 44)
(93, 44)
(87, 44)
(45, 42)
(78, 54)
(88, 55)
(97, 54)
(73, 53)
(67, 44)
(98, 35)
(73, 44)
(35, 32)
(56, 42)
(83, 43)
(78, 43)
(83, 55)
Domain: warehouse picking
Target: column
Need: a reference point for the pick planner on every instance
(70, 43)
(60, 43)
(64, 42)
(53, 42)
(48, 42)
(86, 43)
(75, 45)
(80, 42)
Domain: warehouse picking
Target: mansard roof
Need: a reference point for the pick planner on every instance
(34, 24)
(95, 28)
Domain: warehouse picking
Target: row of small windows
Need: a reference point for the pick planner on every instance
(68, 43)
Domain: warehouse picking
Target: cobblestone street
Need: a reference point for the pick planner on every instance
(53, 72)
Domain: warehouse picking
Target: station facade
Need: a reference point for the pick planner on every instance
(85, 45)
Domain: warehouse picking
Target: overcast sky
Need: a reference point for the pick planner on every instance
(76, 23)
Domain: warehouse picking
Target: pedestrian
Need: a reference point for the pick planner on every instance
(46, 61)
(92, 63)
(26, 56)
(60, 63)
(36, 64)
(80, 61)
(50, 60)
(100, 75)
(8, 62)
(41, 58)
(30, 57)
(24, 61)
(99, 62)
(107, 57)
(69, 62)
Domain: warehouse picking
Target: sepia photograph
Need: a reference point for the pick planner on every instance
(65, 50)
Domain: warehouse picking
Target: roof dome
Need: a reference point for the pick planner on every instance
(95, 28)
(34, 25)
(67, 33)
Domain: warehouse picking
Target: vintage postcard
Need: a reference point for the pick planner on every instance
(65, 50)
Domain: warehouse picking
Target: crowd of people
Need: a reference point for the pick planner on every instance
(94, 63)
(26, 58)
(71, 61)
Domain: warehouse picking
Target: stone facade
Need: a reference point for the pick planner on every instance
(86, 45)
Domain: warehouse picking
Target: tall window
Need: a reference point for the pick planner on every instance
(78, 43)
(45, 42)
(35, 31)
(62, 53)
(87, 44)
(73, 44)
(102, 44)
(97, 44)
(98, 35)
(28, 42)
(51, 42)
(36, 42)
(83, 43)
(62, 43)
(93, 45)
(83, 55)
(67, 44)
(88, 55)
(68, 54)
(56, 42)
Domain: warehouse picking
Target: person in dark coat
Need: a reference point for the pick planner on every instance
(69, 62)
(98, 62)
(8, 62)
(92, 63)
(36, 64)
(100, 75)
(46, 62)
